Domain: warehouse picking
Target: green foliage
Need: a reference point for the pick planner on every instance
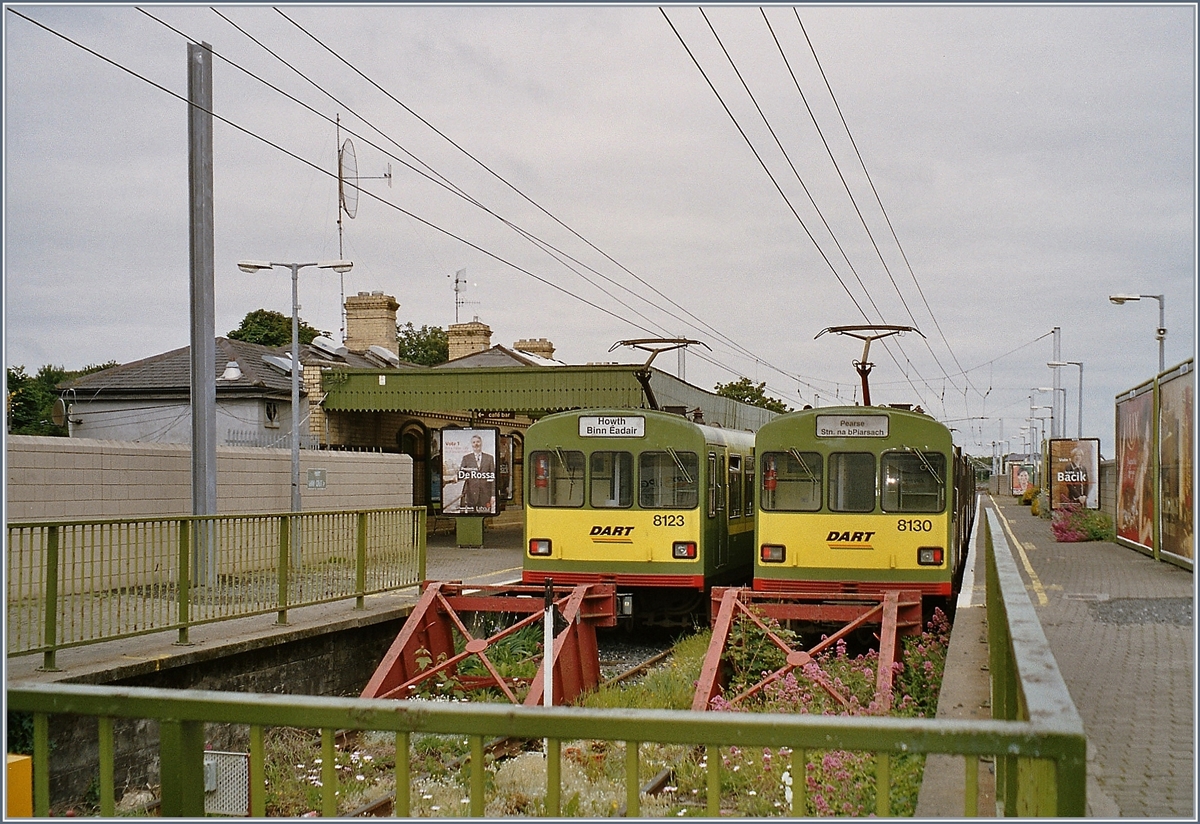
(1073, 522)
(31, 398)
(20, 733)
(429, 345)
(747, 392)
(267, 328)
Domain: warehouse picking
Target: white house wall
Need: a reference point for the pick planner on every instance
(238, 421)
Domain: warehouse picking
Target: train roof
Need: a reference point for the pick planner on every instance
(711, 434)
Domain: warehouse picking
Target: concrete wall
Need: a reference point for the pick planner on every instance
(76, 478)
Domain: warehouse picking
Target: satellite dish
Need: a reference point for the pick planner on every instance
(59, 413)
(348, 179)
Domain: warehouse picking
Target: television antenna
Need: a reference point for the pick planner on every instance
(460, 286)
(348, 178)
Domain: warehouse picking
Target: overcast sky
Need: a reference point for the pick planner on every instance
(1030, 161)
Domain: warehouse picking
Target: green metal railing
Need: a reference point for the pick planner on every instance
(83, 582)
(1036, 737)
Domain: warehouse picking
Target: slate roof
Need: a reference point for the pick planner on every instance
(498, 356)
(169, 374)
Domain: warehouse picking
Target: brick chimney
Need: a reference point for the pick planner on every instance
(371, 321)
(468, 338)
(536, 346)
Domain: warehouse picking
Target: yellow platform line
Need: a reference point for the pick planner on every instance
(1034, 581)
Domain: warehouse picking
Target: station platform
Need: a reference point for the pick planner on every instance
(498, 561)
(1119, 624)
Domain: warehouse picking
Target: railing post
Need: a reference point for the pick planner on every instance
(478, 800)
(553, 777)
(419, 543)
(258, 772)
(360, 568)
(400, 807)
(712, 756)
(799, 782)
(285, 524)
(883, 784)
(181, 768)
(183, 582)
(329, 777)
(107, 801)
(41, 765)
(50, 637)
(632, 787)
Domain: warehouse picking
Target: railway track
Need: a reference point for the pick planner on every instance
(615, 655)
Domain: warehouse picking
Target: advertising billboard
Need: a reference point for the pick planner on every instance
(1135, 470)
(1075, 472)
(1021, 476)
(1175, 433)
(469, 472)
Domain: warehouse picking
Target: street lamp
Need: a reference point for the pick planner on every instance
(1079, 417)
(1054, 425)
(1160, 333)
(252, 266)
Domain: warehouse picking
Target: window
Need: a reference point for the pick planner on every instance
(556, 478)
(668, 480)
(748, 474)
(270, 414)
(612, 479)
(852, 482)
(791, 481)
(735, 486)
(914, 482)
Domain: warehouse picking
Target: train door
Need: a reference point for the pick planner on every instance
(718, 530)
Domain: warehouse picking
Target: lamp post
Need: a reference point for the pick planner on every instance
(1160, 333)
(1079, 417)
(1055, 425)
(252, 266)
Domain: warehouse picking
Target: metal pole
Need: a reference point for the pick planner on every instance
(203, 342)
(295, 388)
(1161, 334)
(1054, 428)
(1079, 431)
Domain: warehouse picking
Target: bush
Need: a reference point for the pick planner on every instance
(1073, 522)
(1028, 496)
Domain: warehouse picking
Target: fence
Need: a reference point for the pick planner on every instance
(1035, 737)
(76, 583)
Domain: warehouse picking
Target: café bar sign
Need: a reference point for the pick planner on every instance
(612, 426)
(852, 426)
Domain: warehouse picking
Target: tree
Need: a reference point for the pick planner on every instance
(746, 392)
(269, 328)
(29, 405)
(429, 345)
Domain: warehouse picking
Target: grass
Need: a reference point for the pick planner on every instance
(754, 781)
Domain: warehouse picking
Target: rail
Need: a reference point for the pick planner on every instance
(84, 582)
(1035, 736)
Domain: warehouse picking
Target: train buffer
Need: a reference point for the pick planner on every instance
(895, 612)
(440, 634)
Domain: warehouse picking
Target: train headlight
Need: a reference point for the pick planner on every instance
(539, 546)
(772, 553)
(684, 549)
(930, 555)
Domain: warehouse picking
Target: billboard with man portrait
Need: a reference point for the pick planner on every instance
(469, 472)
(1075, 472)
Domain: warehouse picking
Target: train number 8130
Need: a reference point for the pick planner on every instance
(914, 525)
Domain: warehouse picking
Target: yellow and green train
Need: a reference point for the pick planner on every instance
(861, 499)
(659, 505)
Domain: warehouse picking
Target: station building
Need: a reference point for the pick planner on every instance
(359, 396)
